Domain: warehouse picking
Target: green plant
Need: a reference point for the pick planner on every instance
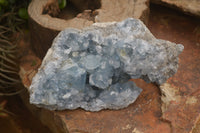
(23, 13)
(8, 64)
(8, 5)
(12, 18)
(62, 3)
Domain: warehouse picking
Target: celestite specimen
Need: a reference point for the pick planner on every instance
(91, 68)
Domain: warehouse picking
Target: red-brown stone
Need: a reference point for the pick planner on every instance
(182, 113)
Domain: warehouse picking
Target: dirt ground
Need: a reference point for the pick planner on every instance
(164, 23)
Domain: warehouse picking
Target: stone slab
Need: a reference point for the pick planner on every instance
(44, 28)
(145, 115)
(140, 116)
(187, 6)
(109, 10)
(180, 95)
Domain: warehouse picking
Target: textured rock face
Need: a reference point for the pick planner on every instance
(91, 68)
(107, 11)
(188, 6)
(113, 10)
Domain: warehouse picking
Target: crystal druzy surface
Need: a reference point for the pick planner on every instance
(91, 68)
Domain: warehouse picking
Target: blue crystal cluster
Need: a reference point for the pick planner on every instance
(91, 68)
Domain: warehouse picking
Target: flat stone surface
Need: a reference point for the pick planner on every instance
(123, 9)
(145, 115)
(141, 117)
(138, 117)
(188, 6)
(91, 68)
(181, 93)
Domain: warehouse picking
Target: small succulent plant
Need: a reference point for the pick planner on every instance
(12, 16)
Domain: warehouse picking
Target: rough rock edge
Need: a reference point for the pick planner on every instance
(48, 57)
(177, 4)
(168, 94)
(195, 125)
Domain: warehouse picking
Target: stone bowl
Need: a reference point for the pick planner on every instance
(44, 27)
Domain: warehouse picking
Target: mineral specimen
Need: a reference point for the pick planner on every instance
(91, 68)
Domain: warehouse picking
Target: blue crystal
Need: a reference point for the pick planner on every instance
(91, 68)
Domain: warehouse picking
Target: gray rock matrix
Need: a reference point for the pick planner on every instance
(91, 68)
